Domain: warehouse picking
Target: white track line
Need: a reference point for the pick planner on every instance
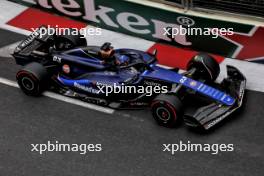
(63, 98)
(8, 82)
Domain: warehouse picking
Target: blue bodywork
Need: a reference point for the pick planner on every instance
(76, 70)
(101, 72)
(173, 77)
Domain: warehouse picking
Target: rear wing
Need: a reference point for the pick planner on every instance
(32, 42)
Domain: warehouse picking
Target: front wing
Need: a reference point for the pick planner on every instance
(210, 115)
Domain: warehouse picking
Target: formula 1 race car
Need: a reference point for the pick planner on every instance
(66, 65)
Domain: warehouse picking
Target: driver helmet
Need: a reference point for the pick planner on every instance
(106, 51)
(123, 59)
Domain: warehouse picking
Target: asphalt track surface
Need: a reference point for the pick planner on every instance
(131, 140)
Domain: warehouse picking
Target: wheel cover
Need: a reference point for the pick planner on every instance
(27, 83)
(163, 114)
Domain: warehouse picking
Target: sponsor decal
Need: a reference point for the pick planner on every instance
(30, 38)
(138, 104)
(248, 44)
(183, 79)
(56, 59)
(242, 89)
(85, 88)
(150, 83)
(66, 68)
(129, 21)
(185, 21)
(193, 83)
(245, 43)
(215, 121)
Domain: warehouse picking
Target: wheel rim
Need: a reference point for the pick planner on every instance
(163, 114)
(27, 83)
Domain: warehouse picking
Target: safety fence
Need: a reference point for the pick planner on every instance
(238, 7)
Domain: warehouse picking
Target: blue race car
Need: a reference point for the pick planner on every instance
(66, 65)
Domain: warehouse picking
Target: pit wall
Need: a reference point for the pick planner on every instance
(149, 22)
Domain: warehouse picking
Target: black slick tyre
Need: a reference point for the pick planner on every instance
(166, 110)
(32, 79)
(207, 68)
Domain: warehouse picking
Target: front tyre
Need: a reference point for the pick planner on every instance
(32, 79)
(207, 68)
(166, 110)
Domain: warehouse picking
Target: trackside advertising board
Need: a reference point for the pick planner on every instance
(244, 41)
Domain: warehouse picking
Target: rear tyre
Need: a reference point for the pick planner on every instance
(166, 110)
(68, 41)
(207, 68)
(32, 79)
